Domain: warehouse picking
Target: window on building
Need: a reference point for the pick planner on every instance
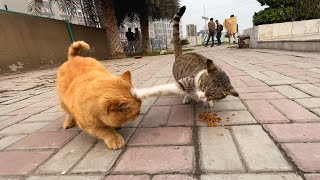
(79, 13)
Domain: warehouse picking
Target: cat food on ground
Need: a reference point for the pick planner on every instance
(212, 120)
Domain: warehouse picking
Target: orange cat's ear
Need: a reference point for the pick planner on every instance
(127, 76)
(117, 106)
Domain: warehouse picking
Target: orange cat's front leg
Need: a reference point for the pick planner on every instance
(69, 122)
(112, 139)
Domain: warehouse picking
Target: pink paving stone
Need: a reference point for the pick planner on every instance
(165, 135)
(173, 177)
(21, 162)
(157, 116)
(127, 177)
(54, 126)
(44, 140)
(265, 112)
(295, 132)
(157, 160)
(305, 155)
(169, 101)
(181, 115)
(312, 176)
(261, 95)
(294, 111)
(255, 89)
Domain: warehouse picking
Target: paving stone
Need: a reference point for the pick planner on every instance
(305, 155)
(232, 118)
(8, 140)
(11, 178)
(173, 177)
(28, 110)
(45, 140)
(307, 132)
(168, 101)
(263, 95)
(251, 177)
(316, 111)
(53, 109)
(144, 109)
(309, 102)
(218, 152)
(222, 106)
(100, 158)
(258, 150)
(44, 117)
(2, 118)
(25, 128)
(309, 89)
(12, 120)
(161, 136)
(77, 177)
(157, 116)
(283, 82)
(68, 156)
(294, 111)
(21, 162)
(265, 112)
(127, 177)
(258, 89)
(290, 92)
(135, 123)
(149, 102)
(56, 125)
(157, 159)
(312, 176)
(181, 115)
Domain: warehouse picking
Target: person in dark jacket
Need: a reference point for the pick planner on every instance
(219, 30)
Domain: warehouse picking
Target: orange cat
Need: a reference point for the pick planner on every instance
(95, 99)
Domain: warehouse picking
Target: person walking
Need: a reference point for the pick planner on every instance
(232, 28)
(211, 27)
(137, 41)
(219, 30)
(130, 39)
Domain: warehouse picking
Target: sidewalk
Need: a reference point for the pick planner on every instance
(272, 132)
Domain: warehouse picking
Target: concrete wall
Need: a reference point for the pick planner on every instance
(29, 42)
(297, 35)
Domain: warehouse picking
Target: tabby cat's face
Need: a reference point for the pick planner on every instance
(215, 84)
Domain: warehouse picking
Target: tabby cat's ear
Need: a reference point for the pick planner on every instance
(211, 67)
(233, 92)
(127, 76)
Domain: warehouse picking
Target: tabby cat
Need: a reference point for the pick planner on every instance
(95, 99)
(197, 77)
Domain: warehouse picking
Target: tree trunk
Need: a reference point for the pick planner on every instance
(112, 32)
(144, 24)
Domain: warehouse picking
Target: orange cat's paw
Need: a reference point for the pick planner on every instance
(68, 124)
(115, 143)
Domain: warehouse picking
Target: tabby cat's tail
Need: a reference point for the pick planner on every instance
(75, 48)
(176, 32)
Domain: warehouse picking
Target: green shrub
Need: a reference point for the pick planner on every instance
(271, 15)
(286, 11)
(184, 42)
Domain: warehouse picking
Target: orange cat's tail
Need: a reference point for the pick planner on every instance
(75, 48)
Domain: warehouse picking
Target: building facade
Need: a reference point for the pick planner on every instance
(160, 32)
(48, 10)
(191, 30)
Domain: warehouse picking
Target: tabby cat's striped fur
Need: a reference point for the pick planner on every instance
(197, 77)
